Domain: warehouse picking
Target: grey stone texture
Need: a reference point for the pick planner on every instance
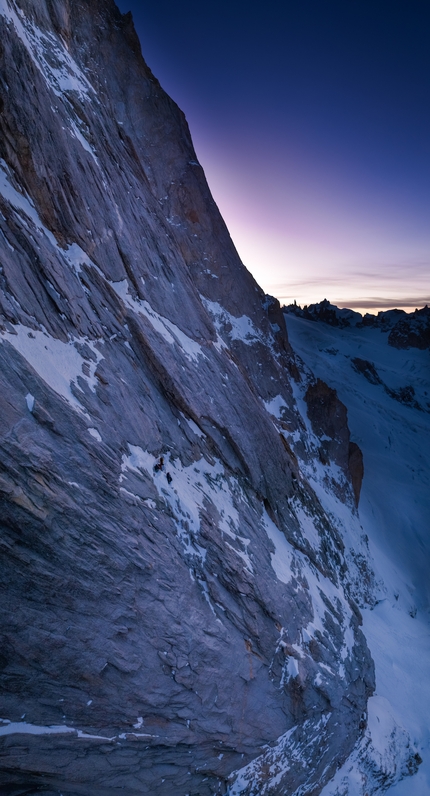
(168, 653)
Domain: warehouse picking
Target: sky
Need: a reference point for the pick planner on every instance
(311, 120)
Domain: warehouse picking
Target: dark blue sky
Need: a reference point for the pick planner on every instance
(312, 121)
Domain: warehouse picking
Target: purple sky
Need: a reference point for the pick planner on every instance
(312, 122)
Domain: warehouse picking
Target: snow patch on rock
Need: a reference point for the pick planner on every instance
(73, 255)
(383, 757)
(276, 406)
(168, 330)
(240, 328)
(187, 490)
(286, 562)
(59, 364)
(48, 53)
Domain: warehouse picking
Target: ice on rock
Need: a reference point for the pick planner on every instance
(24, 728)
(194, 427)
(29, 399)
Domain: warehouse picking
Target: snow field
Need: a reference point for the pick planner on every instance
(393, 512)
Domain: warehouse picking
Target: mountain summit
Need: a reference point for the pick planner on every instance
(183, 563)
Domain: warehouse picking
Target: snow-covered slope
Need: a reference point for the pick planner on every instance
(391, 423)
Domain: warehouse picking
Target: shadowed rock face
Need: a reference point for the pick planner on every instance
(413, 331)
(329, 420)
(167, 617)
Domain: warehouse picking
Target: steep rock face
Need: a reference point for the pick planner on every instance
(177, 601)
(412, 331)
(329, 420)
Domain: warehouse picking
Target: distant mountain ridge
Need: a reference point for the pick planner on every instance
(406, 329)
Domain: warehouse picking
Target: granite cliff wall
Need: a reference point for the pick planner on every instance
(179, 596)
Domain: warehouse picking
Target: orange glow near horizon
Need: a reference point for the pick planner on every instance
(304, 247)
(311, 123)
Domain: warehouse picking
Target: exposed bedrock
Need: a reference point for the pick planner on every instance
(176, 600)
(328, 416)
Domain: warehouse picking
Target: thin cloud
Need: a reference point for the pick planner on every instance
(381, 303)
(357, 278)
(285, 288)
